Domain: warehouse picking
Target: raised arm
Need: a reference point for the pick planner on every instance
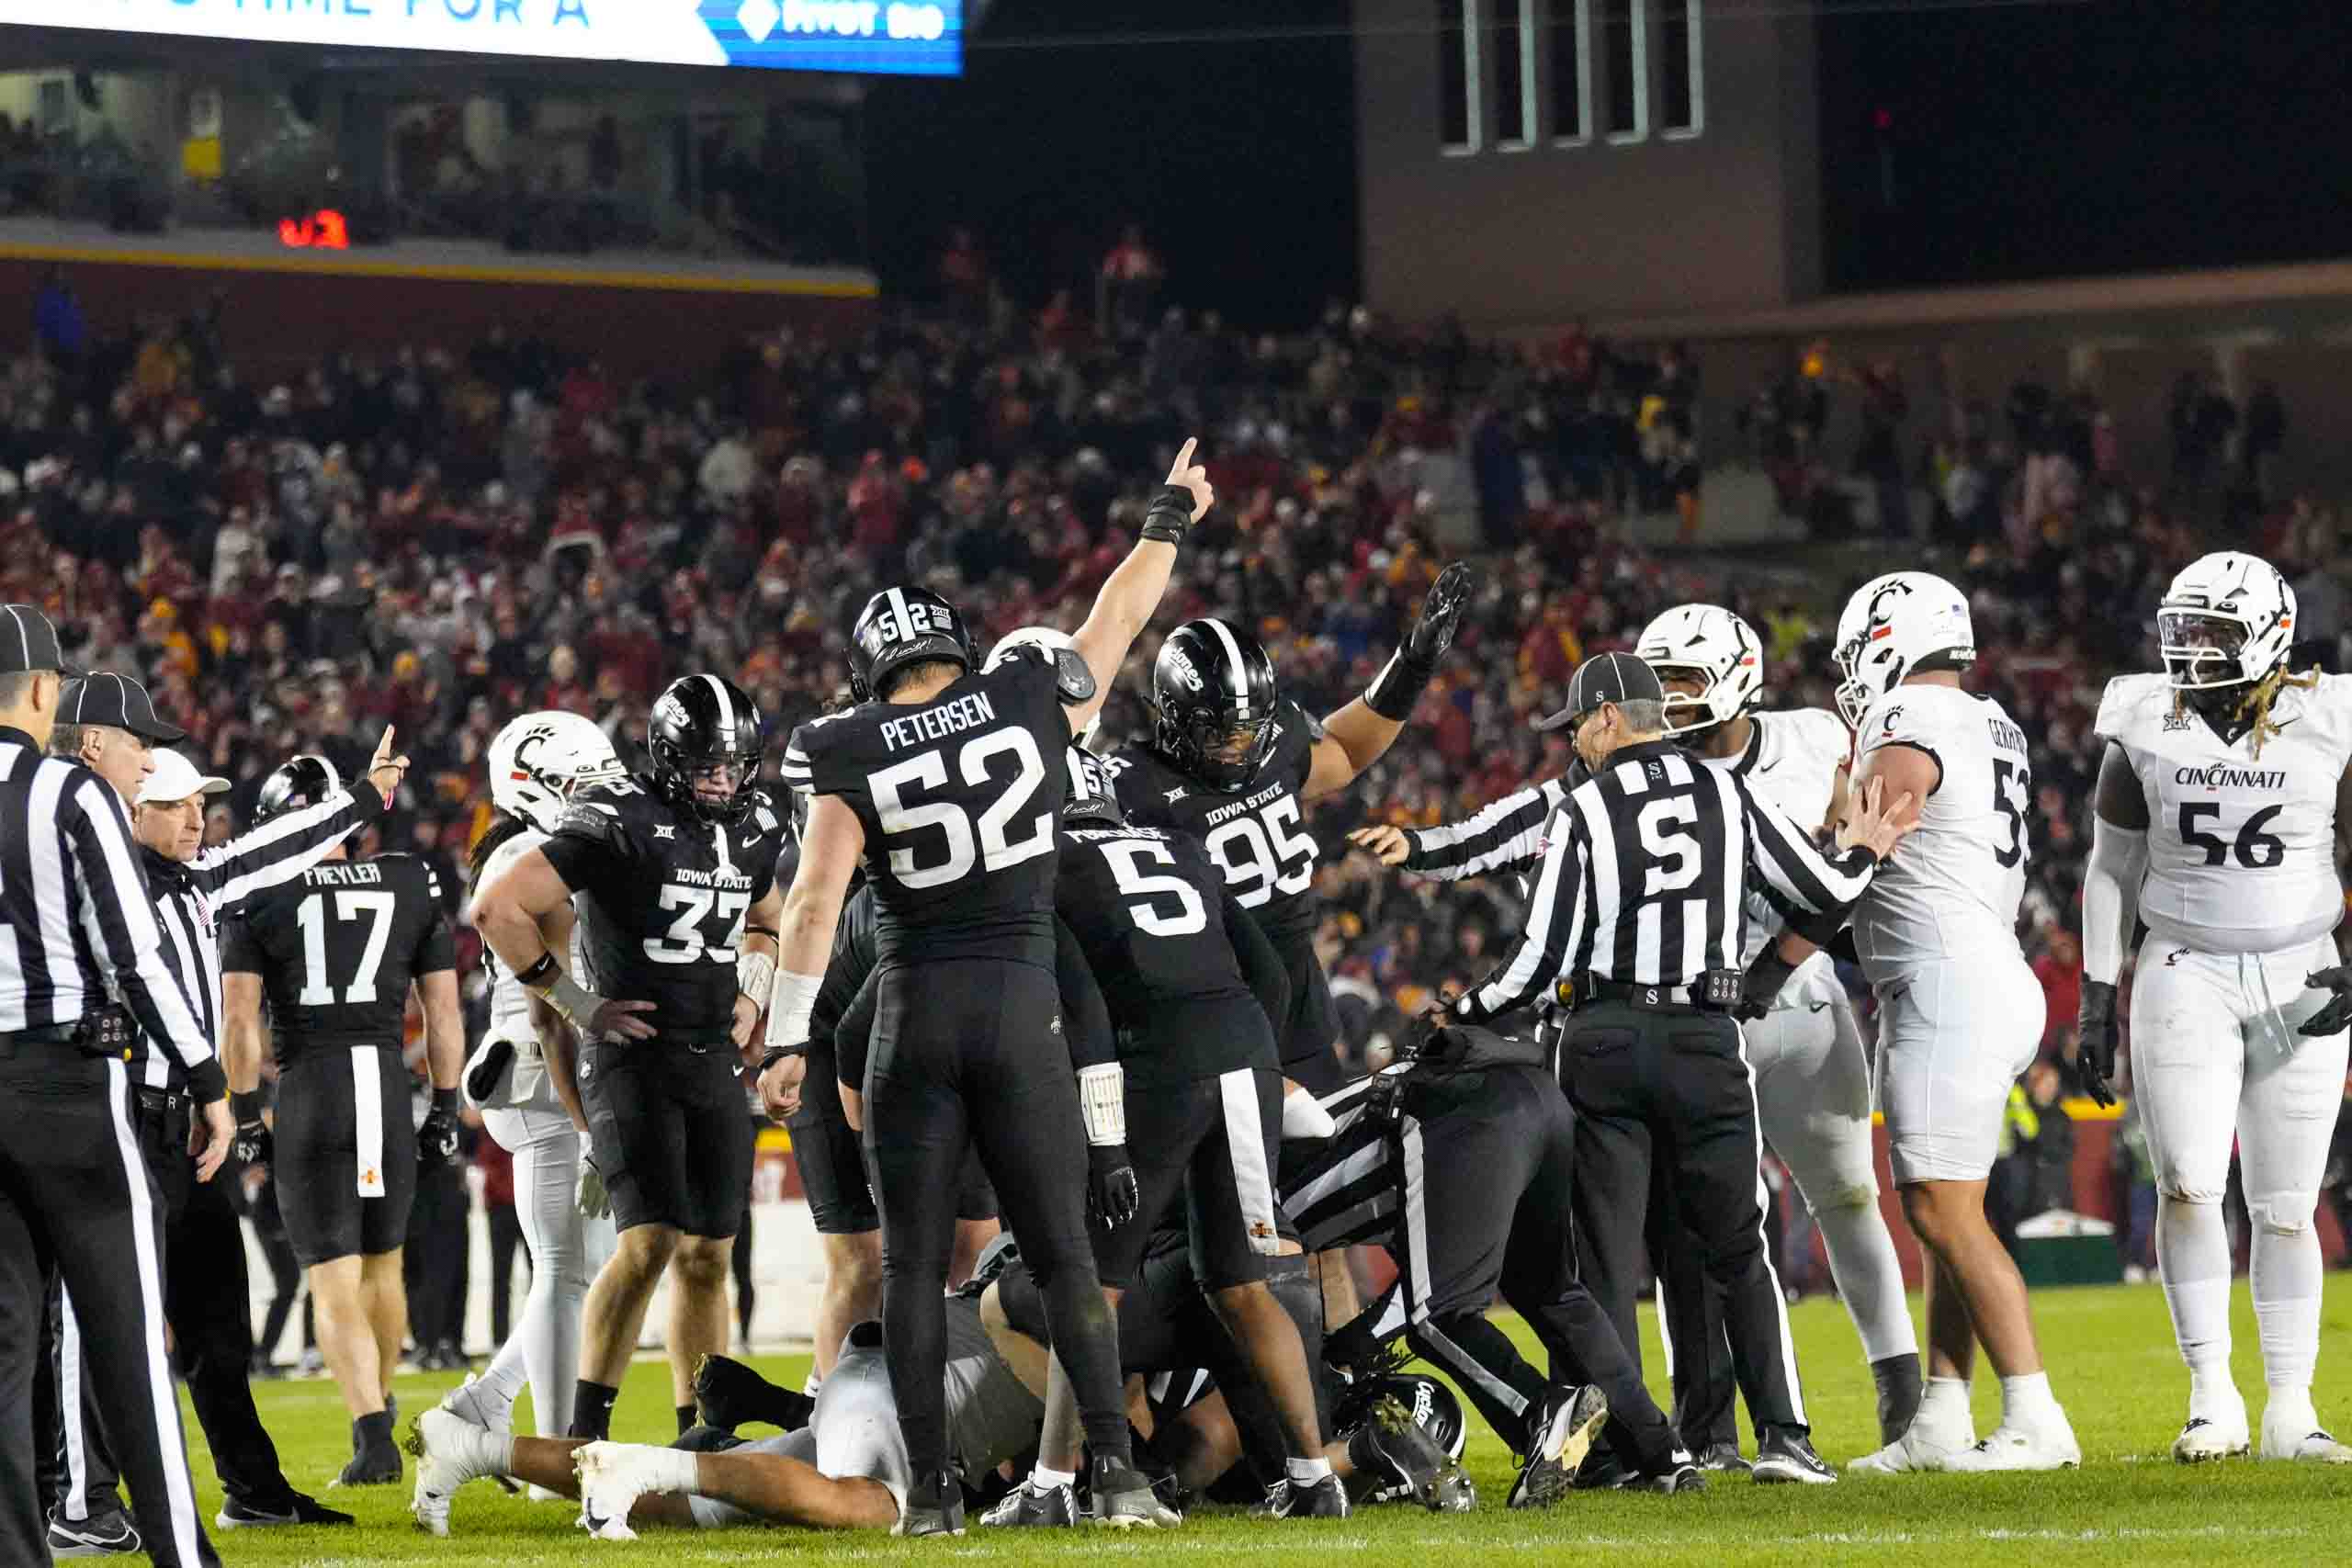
(1132, 591)
(290, 843)
(1354, 737)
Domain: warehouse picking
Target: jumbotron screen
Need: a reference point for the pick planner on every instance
(905, 38)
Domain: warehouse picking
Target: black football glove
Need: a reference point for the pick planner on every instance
(436, 1139)
(2331, 1019)
(1441, 614)
(254, 1145)
(2095, 1023)
(1765, 978)
(1112, 1195)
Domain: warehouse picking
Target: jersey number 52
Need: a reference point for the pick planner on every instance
(996, 847)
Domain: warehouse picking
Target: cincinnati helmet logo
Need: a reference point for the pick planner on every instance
(1880, 617)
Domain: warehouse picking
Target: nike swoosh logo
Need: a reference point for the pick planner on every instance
(1767, 768)
(2283, 723)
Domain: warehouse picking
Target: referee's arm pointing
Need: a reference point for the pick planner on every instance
(1784, 856)
(1556, 922)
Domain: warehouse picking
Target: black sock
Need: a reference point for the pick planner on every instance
(685, 1419)
(372, 1430)
(592, 1410)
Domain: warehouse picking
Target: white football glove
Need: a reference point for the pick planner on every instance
(594, 1201)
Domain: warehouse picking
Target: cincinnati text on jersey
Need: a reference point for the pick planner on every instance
(2217, 775)
(968, 712)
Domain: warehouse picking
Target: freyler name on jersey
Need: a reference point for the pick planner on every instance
(1247, 804)
(344, 876)
(2219, 775)
(968, 712)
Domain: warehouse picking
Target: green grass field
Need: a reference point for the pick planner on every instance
(2111, 1358)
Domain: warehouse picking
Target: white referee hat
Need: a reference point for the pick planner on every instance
(175, 779)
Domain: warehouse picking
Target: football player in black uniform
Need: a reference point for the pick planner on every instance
(1192, 987)
(672, 876)
(1232, 761)
(950, 781)
(335, 952)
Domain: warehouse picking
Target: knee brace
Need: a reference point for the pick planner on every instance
(1849, 1196)
(2282, 1213)
(1301, 1295)
(2180, 1192)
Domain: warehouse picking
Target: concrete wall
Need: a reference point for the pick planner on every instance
(1724, 218)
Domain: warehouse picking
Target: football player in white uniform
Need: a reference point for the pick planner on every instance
(2219, 795)
(521, 1078)
(1960, 1013)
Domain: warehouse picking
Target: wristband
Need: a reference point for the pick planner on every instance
(1171, 516)
(755, 974)
(246, 1105)
(775, 1053)
(1398, 687)
(1101, 1096)
(445, 1101)
(791, 1001)
(575, 1002)
(539, 976)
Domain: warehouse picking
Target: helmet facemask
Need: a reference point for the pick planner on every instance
(1687, 713)
(2203, 648)
(1222, 751)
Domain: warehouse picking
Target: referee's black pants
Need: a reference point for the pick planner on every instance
(1487, 1166)
(1668, 1091)
(208, 1301)
(77, 1197)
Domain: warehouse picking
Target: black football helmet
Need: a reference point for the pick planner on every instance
(305, 780)
(698, 722)
(901, 627)
(1212, 696)
(1092, 802)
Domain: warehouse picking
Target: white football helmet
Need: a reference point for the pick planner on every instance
(538, 760)
(2227, 619)
(1044, 636)
(1890, 625)
(1720, 649)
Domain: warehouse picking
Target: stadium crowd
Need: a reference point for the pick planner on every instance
(448, 536)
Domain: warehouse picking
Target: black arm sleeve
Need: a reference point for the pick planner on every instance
(1086, 1019)
(1261, 966)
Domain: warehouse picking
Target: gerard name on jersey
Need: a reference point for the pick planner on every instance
(951, 717)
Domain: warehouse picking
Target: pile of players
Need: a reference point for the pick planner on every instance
(1078, 990)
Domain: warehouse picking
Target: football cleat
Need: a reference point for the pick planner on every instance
(446, 1451)
(306, 1510)
(1723, 1457)
(108, 1535)
(729, 1394)
(1784, 1455)
(1025, 1508)
(473, 1402)
(1286, 1499)
(2201, 1442)
(934, 1506)
(1403, 1460)
(1917, 1450)
(2294, 1434)
(2049, 1447)
(1565, 1426)
(1124, 1498)
(1674, 1481)
(613, 1477)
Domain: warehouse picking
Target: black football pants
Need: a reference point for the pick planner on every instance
(1668, 1095)
(968, 1053)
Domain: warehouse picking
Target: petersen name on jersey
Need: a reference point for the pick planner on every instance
(2240, 848)
(1954, 887)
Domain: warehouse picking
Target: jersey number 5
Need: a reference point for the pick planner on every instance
(997, 851)
(318, 984)
(1126, 864)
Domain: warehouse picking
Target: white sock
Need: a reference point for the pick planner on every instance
(1307, 1472)
(1944, 1416)
(2287, 1280)
(1044, 1479)
(485, 1452)
(1870, 1277)
(2026, 1400)
(505, 1375)
(812, 1383)
(672, 1470)
(2193, 1256)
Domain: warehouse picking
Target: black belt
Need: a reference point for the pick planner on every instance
(165, 1102)
(1693, 997)
(107, 1031)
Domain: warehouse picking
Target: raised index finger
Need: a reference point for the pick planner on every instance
(1184, 454)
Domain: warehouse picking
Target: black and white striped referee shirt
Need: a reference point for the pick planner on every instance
(77, 926)
(190, 899)
(1644, 877)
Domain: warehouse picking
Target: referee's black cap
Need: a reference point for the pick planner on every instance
(117, 700)
(1605, 678)
(28, 642)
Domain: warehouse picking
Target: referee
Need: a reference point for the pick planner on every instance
(77, 928)
(1636, 926)
(207, 1300)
